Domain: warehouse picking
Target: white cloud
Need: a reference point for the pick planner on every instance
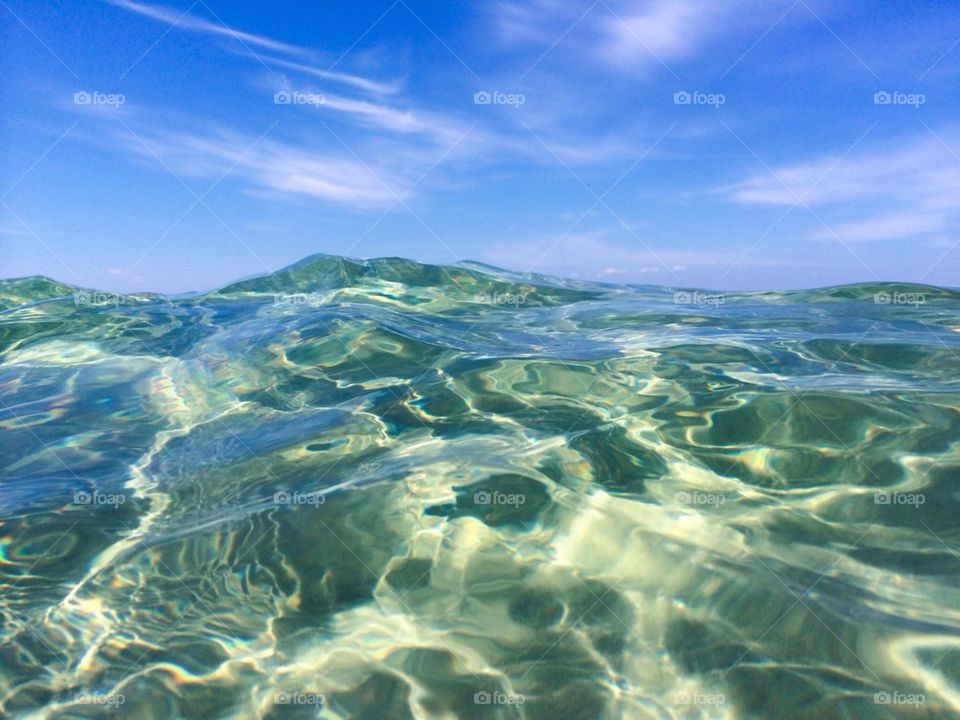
(888, 226)
(386, 147)
(666, 30)
(361, 83)
(267, 164)
(914, 183)
(533, 21)
(187, 21)
(395, 153)
(635, 33)
(439, 128)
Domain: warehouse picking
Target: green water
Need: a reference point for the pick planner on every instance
(389, 490)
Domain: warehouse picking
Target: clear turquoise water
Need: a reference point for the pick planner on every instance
(389, 490)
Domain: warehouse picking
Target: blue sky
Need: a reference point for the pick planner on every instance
(736, 144)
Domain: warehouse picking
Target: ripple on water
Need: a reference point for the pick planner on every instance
(379, 489)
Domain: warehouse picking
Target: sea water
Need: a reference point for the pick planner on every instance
(380, 489)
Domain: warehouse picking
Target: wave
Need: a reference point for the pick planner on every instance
(396, 490)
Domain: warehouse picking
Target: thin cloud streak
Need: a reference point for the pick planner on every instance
(361, 83)
(187, 21)
(195, 23)
(271, 165)
(636, 34)
(914, 182)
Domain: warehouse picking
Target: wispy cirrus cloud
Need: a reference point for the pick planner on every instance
(195, 23)
(356, 81)
(890, 226)
(307, 61)
(889, 191)
(385, 126)
(399, 118)
(263, 163)
(351, 147)
(665, 30)
(636, 34)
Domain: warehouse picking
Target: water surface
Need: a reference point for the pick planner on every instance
(389, 490)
